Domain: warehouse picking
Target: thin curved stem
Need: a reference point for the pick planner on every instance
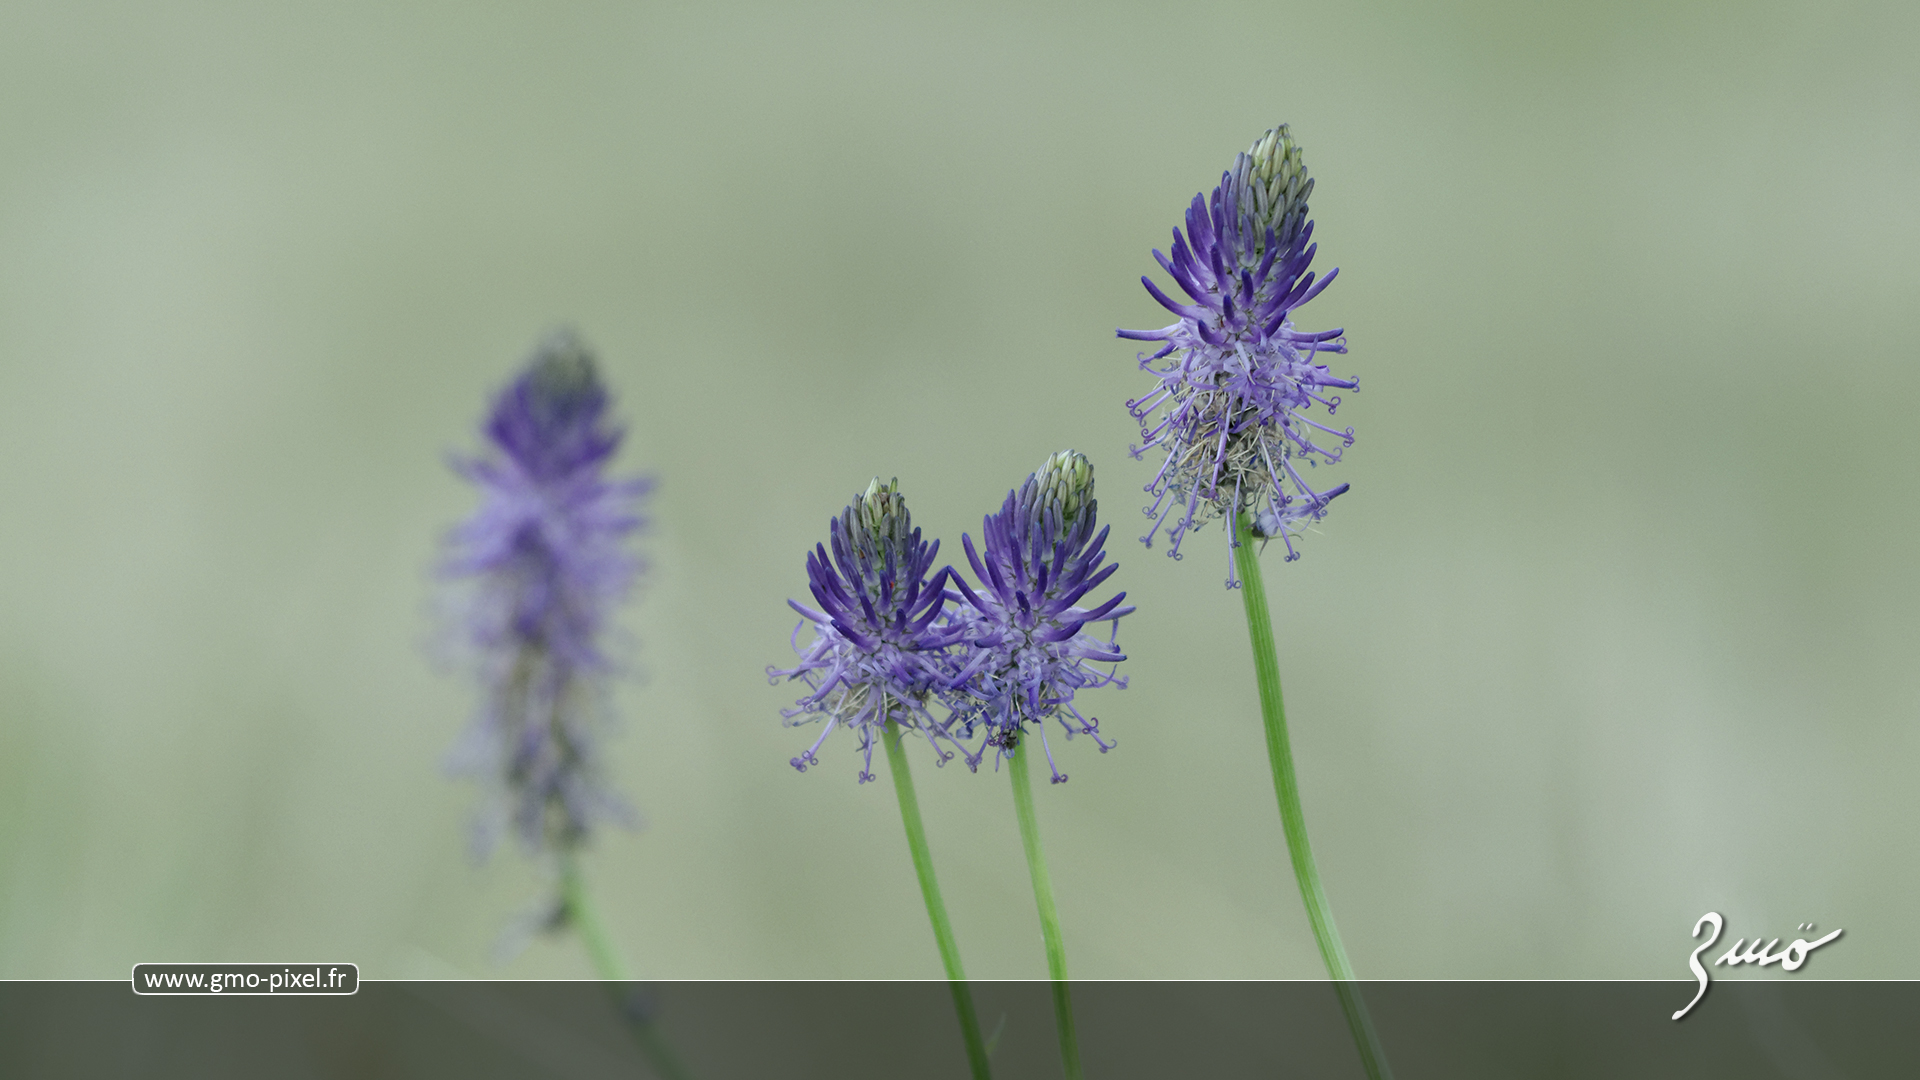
(1266, 665)
(1049, 917)
(936, 907)
(584, 917)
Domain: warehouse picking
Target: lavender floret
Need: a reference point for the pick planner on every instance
(880, 650)
(1028, 648)
(1231, 413)
(546, 560)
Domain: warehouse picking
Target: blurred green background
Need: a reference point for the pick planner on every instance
(1617, 626)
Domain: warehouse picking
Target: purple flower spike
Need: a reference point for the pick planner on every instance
(1231, 412)
(1025, 627)
(880, 649)
(546, 558)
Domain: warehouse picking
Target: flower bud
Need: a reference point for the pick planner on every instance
(1066, 483)
(562, 378)
(1273, 186)
(880, 513)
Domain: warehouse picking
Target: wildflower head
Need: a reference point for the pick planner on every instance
(545, 561)
(879, 652)
(1231, 418)
(551, 421)
(1027, 649)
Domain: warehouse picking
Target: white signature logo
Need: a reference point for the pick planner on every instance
(1789, 958)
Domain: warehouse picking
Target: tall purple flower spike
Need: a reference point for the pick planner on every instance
(546, 558)
(880, 648)
(1025, 630)
(1231, 411)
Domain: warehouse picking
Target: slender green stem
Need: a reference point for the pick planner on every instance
(936, 907)
(584, 917)
(1266, 665)
(1049, 917)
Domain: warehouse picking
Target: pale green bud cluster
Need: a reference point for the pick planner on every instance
(1066, 482)
(878, 519)
(563, 373)
(1273, 184)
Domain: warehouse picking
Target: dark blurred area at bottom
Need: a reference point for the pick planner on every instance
(478, 1030)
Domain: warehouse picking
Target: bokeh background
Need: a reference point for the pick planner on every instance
(1617, 625)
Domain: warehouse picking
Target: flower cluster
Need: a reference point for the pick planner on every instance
(891, 642)
(1025, 632)
(546, 560)
(1230, 412)
(880, 646)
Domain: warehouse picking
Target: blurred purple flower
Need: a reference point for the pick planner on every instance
(880, 646)
(546, 561)
(1231, 410)
(1024, 629)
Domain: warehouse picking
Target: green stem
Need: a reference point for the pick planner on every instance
(1049, 917)
(936, 908)
(1266, 664)
(584, 917)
